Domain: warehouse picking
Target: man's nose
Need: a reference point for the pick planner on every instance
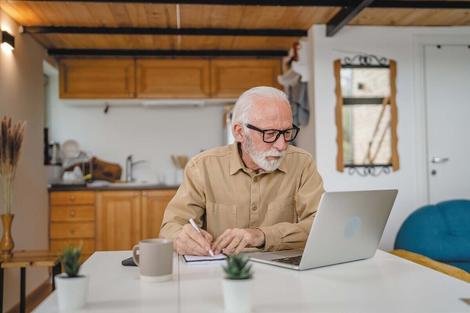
(280, 144)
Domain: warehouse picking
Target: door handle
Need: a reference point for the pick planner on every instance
(437, 160)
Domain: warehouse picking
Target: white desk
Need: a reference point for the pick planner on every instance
(384, 283)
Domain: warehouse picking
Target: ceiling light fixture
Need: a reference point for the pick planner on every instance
(8, 41)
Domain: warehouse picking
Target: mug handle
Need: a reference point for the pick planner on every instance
(135, 256)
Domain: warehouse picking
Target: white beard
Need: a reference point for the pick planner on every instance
(260, 157)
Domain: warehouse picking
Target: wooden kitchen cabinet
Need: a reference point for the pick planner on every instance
(154, 203)
(231, 77)
(105, 220)
(172, 78)
(92, 78)
(72, 221)
(160, 78)
(118, 216)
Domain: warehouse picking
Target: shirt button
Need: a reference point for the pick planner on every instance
(253, 207)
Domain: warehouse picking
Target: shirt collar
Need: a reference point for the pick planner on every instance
(283, 166)
(236, 162)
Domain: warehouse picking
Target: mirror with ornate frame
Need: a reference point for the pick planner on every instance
(366, 115)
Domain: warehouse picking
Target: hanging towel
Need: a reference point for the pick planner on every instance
(297, 92)
(298, 98)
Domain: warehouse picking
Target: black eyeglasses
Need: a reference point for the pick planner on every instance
(271, 135)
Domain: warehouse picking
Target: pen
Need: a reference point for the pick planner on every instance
(191, 221)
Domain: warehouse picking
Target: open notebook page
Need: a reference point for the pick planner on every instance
(199, 258)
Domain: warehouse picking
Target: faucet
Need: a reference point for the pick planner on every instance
(130, 166)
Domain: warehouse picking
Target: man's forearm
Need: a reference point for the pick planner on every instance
(285, 236)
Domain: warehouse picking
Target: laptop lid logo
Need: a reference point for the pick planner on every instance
(352, 227)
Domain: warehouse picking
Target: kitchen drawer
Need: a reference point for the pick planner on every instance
(72, 213)
(72, 197)
(72, 230)
(88, 245)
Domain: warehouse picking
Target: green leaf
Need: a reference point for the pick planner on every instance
(70, 260)
(237, 267)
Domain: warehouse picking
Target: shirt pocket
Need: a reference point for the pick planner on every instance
(219, 217)
(280, 211)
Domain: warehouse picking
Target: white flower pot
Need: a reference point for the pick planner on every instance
(71, 291)
(237, 295)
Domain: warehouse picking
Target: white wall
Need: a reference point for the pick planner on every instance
(149, 133)
(401, 44)
(21, 97)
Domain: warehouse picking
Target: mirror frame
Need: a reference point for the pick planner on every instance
(395, 162)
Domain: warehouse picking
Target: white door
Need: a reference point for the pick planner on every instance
(447, 87)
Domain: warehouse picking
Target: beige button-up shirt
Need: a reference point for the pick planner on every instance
(219, 192)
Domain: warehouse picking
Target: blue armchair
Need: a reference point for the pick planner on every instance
(440, 232)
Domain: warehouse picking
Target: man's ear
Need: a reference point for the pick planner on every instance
(237, 132)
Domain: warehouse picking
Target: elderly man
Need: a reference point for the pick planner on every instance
(259, 192)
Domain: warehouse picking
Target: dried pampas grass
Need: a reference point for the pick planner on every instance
(11, 139)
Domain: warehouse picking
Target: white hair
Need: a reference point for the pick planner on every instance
(246, 101)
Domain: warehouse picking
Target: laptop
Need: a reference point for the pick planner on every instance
(347, 227)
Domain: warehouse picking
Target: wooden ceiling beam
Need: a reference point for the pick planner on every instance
(344, 16)
(284, 3)
(404, 4)
(167, 53)
(164, 31)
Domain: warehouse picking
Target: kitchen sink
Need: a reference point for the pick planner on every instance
(134, 184)
(124, 185)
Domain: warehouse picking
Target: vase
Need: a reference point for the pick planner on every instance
(237, 295)
(7, 244)
(72, 292)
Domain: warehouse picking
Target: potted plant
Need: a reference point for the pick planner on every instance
(237, 285)
(72, 288)
(11, 139)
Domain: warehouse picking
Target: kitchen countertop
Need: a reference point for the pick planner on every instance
(123, 187)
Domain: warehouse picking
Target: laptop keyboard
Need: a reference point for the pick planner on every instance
(294, 260)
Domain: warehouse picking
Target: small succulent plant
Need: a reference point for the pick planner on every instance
(70, 260)
(238, 268)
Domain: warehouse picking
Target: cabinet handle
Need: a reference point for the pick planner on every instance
(72, 213)
(72, 231)
(72, 198)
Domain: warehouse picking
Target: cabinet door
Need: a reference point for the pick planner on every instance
(118, 220)
(181, 78)
(231, 77)
(153, 206)
(97, 78)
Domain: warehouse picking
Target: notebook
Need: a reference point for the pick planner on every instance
(204, 258)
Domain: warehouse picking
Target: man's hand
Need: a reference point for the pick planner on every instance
(190, 241)
(232, 241)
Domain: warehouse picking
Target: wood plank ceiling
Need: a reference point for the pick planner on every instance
(104, 17)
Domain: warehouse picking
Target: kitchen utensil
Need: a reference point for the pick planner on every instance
(70, 149)
(175, 160)
(180, 161)
(54, 152)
